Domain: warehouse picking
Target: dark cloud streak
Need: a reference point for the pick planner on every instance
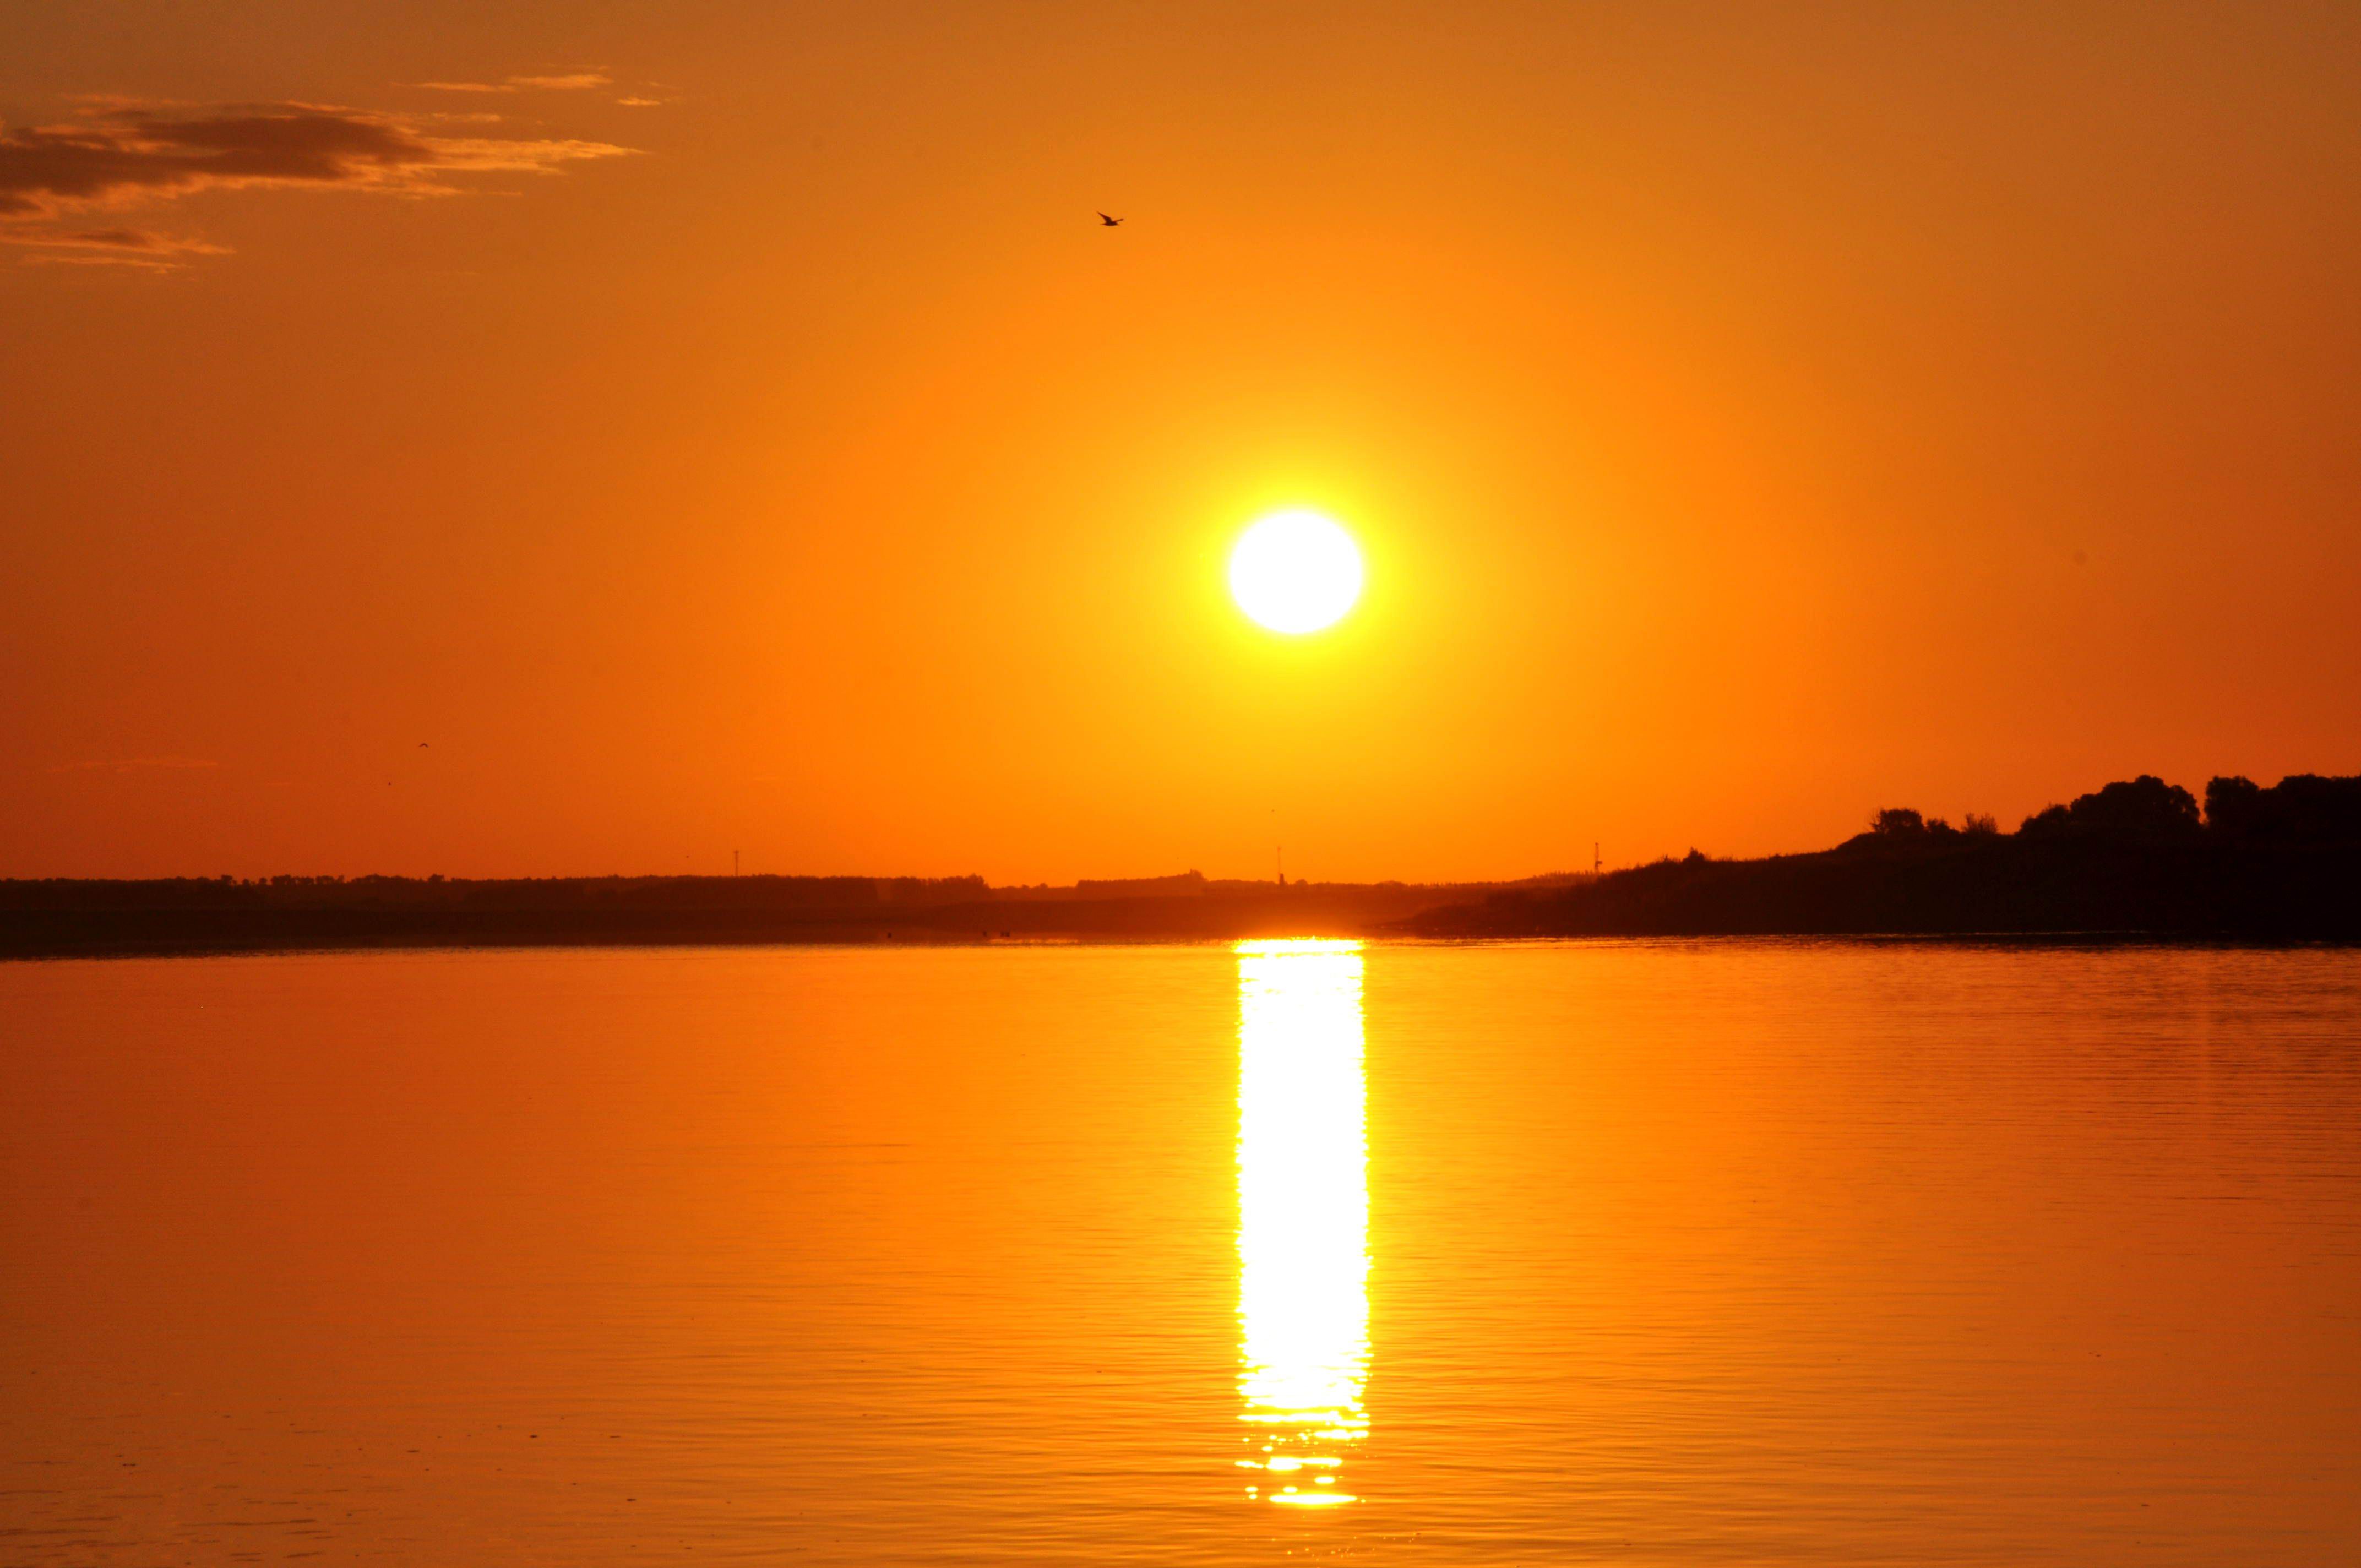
(129, 154)
(124, 152)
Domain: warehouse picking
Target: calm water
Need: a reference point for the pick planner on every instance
(1625, 1253)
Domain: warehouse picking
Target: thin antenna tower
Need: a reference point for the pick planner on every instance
(1281, 852)
(734, 863)
(1595, 863)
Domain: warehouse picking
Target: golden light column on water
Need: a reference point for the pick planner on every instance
(1303, 1218)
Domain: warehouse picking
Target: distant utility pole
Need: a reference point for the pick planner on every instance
(1280, 852)
(1595, 862)
(734, 863)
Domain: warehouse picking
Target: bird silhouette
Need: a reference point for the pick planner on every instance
(1109, 222)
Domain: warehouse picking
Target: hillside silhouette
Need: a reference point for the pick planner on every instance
(2138, 857)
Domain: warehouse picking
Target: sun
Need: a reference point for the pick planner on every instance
(1295, 571)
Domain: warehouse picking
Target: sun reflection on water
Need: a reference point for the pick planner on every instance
(1303, 1218)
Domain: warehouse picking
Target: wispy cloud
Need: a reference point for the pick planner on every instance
(135, 764)
(111, 248)
(571, 81)
(117, 156)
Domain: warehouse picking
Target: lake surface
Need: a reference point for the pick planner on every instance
(1635, 1252)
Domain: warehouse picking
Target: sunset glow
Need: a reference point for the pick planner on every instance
(748, 435)
(1420, 786)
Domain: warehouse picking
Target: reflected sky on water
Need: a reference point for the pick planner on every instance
(1303, 1218)
(1640, 1252)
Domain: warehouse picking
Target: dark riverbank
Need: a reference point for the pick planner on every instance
(2136, 859)
(61, 918)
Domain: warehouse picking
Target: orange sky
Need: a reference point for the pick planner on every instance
(1751, 420)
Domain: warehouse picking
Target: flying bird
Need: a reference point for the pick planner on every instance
(1108, 221)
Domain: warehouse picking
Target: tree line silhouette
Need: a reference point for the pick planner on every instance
(2138, 857)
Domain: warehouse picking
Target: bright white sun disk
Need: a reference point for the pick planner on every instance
(1295, 571)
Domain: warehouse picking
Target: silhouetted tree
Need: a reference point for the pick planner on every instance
(2145, 805)
(2143, 808)
(2233, 805)
(2318, 808)
(2302, 807)
(1897, 822)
